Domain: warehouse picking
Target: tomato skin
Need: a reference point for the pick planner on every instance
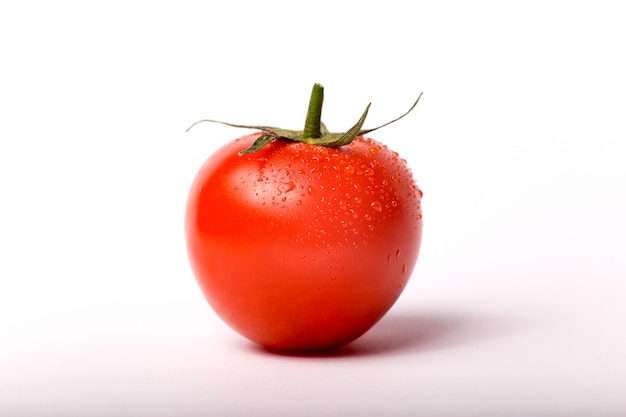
(300, 247)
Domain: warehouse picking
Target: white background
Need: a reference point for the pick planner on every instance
(517, 306)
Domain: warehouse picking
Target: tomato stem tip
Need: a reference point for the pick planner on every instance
(313, 124)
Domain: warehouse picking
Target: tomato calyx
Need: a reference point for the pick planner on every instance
(314, 133)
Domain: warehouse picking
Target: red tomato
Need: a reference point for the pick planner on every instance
(301, 247)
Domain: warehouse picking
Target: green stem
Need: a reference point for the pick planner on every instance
(313, 124)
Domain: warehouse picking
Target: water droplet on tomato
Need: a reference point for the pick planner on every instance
(349, 169)
(403, 269)
(375, 150)
(285, 187)
(376, 206)
(398, 252)
(368, 172)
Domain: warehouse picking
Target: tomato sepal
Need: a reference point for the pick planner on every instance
(315, 132)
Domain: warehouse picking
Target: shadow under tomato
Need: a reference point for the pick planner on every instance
(411, 333)
(421, 332)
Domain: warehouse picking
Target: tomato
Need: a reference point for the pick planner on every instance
(303, 247)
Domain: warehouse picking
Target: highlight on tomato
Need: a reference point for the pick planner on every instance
(303, 240)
